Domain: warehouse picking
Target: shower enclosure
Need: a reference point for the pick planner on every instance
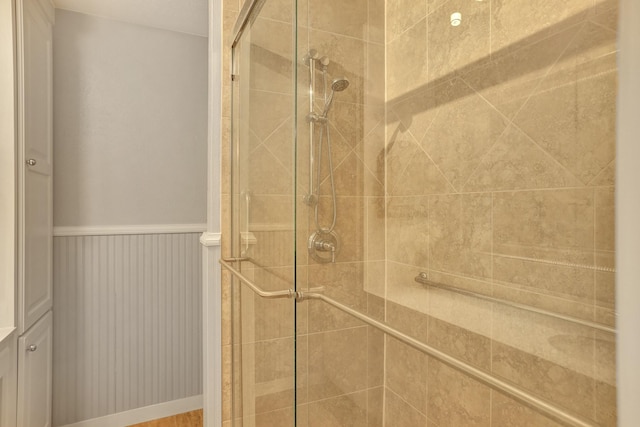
(419, 218)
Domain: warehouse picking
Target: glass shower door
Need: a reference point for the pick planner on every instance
(262, 218)
(422, 213)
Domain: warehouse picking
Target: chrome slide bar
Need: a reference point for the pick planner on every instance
(511, 390)
(248, 10)
(422, 278)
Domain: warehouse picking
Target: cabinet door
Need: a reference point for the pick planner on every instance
(35, 24)
(34, 374)
(8, 384)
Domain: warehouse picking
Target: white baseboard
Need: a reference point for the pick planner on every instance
(146, 413)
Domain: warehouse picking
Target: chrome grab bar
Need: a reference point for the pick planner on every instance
(422, 278)
(513, 391)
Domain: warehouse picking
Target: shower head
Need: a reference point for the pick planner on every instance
(338, 85)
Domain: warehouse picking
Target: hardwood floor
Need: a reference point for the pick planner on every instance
(188, 419)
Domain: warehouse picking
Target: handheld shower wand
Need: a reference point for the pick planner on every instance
(338, 85)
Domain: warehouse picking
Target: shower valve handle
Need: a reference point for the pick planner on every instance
(321, 243)
(325, 246)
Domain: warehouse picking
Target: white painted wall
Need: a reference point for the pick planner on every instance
(130, 124)
(130, 153)
(628, 216)
(175, 15)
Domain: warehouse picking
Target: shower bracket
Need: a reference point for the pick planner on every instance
(316, 118)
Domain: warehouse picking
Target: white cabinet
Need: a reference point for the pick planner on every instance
(34, 374)
(34, 29)
(7, 379)
(35, 290)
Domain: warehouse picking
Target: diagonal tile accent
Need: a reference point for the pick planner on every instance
(398, 152)
(418, 112)
(591, 46)
(515, 162)
(606, 177)
(267, 111)
(280, 144)
(422, 177)
(371, 151)
(340, 149)
(266, 174)
(352, 178)
(527, 21)
(406, 60)
(578, 117)
(401, 15)
(607, 14)
(463, 131)
(573, 110)
(508, 81)
(348, 119)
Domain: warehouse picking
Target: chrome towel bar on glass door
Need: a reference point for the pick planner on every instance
(289, 293)
(509, 389)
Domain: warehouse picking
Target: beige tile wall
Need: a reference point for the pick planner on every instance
(344, 375)
(481, 154)
(500, 162)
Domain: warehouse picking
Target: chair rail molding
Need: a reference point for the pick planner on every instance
(112, 230)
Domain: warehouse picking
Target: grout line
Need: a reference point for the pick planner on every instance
(492, 308)
(546, 75)
(288, 170)
(583, 79)
(352, 150)
(324, 399)
(612, 162)
(491, 19)
(273, 92)
(407, 403)
(266, 137)
(506, 191)
(593, 267)
(270, 19)
(577, 28)
(595, 254)
(498, 138)
(421, 147)
(604, 27)
(594, 299)
(309, 28)
(403, 32)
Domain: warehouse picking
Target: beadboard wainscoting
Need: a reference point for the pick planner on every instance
(127, 323)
